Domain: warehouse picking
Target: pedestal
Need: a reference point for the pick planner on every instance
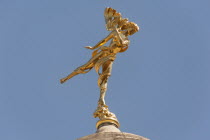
(110, 132)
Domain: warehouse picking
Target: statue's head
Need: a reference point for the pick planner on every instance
(130, 28)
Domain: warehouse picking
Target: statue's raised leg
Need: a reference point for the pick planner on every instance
(77, 71)
(84, 68)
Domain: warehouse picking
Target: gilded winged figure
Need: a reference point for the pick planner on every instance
(104, 56)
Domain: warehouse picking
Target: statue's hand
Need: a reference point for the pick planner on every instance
(89, 47)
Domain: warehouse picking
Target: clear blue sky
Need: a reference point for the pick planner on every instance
(159, 88)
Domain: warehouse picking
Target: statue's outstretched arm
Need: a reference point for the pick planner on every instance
(102, 42)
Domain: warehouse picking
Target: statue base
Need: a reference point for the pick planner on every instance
(102, 123)
(105, 116)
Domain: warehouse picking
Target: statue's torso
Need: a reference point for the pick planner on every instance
(118, 43)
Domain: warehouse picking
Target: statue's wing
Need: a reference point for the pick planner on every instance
(112, 18)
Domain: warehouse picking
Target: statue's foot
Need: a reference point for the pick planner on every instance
(63, 80)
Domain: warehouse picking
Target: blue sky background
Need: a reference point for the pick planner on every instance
(159, 87)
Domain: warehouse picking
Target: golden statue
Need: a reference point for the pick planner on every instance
(104, 56)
